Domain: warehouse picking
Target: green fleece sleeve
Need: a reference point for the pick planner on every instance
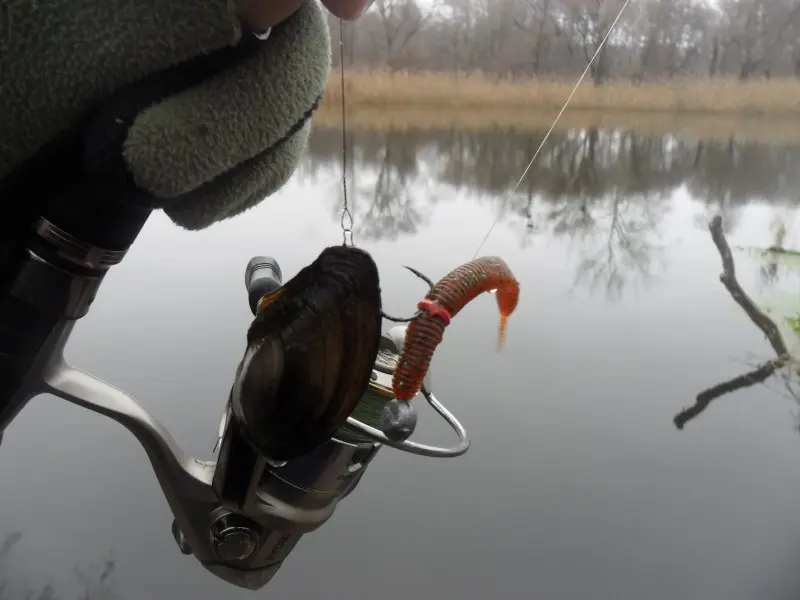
(58, 57)
(202, 150)
(218, 148)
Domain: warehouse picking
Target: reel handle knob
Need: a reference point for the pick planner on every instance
(261, 277)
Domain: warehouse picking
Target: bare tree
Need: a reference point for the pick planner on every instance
(672, 37)
(654, 38)
(584, 25)
(401, 21)
(536, 18)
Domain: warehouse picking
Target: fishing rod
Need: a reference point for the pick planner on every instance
(239, 517)
(241, 514)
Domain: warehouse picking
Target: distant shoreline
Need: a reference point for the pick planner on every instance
(383, 89)
(762, 111)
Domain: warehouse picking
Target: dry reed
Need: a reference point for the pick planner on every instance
(707, 127)
(762, 111)
(383, 89)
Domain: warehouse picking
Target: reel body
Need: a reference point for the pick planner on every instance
(276, 503)
(241, 533)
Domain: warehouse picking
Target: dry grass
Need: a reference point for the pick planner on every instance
(381, 89)
(763, 111)
(707, 127)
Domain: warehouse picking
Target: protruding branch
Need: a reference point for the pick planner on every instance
(761, 320)
(728, 279)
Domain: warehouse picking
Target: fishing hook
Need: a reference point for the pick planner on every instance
(421, 276)
(416, 314)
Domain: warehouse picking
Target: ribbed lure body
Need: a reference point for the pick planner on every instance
(444, 301)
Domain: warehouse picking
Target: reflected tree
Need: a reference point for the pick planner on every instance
(768, 271)
(530, 227)
(725, 177)
(612, 203)
(98, 586)
(601, 189)
(490, 164)
(711, 183)
(629, 225)
(392, 202)
(387, 196)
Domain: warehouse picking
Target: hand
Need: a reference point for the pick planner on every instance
(262, 14)
(241, 111)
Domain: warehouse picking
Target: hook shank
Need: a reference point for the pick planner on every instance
(414, 316)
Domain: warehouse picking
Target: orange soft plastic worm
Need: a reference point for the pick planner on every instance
(443, 302)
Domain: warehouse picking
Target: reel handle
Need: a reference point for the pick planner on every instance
(261, 277)
(240, 515)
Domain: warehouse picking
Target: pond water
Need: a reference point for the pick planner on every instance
(577, 485)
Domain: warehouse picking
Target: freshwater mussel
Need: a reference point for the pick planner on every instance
(310, 353)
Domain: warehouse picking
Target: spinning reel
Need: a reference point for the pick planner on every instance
(241, 537)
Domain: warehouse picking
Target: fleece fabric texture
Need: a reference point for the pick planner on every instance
(203, 153)
(225, 145)
(59, 57)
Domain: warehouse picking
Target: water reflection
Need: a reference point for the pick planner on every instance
(607, 192)
(577, 485)
(93, 584)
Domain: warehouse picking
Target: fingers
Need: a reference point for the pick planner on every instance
(347, 9)
(260, 15)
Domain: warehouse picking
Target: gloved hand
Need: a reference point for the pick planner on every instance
(173, 104)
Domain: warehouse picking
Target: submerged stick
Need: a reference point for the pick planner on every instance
(761, 320)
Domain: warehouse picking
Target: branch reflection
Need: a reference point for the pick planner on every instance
(98, 585)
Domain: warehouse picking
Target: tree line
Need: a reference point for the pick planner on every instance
(654, 39)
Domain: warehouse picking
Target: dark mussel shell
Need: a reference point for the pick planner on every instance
(310, 353)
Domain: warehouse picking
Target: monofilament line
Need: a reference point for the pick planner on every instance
(347, 217)
(555, 122)
(344, 113)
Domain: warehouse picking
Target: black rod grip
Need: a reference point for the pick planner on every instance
(23, 332)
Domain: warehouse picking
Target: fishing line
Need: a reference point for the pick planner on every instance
(555, 122)
(347, 217)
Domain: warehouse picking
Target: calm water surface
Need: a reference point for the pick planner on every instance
(577, 484)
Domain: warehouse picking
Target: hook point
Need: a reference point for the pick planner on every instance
(420, 275)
